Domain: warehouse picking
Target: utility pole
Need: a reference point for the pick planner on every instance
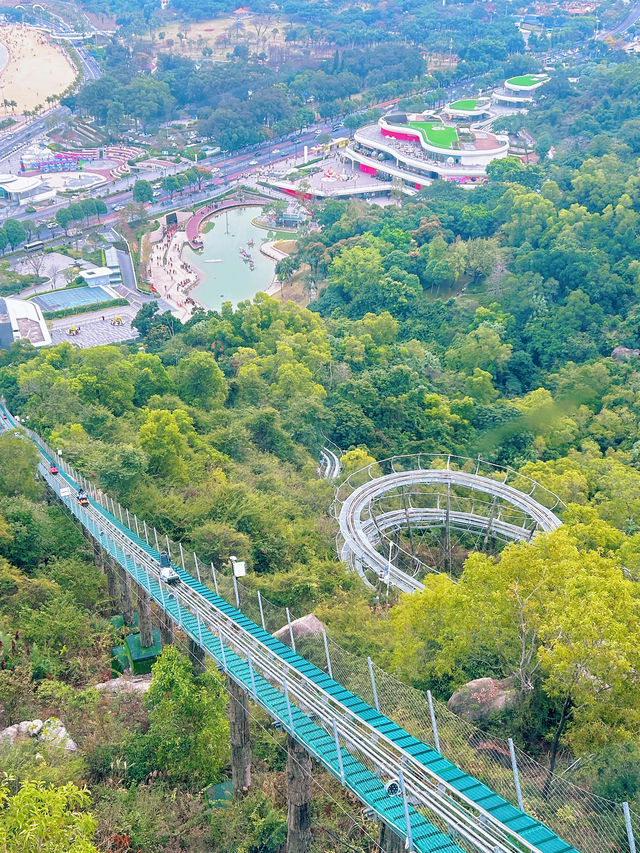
(389, 842)
(144, 619)
(238, 716)
(298, 798)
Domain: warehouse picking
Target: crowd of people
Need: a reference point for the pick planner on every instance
(172, 276)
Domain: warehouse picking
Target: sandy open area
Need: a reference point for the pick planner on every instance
(36, 69)
(221, 34)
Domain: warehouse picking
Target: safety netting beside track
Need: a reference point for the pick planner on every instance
(592, 824)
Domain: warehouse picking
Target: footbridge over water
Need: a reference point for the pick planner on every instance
(403, 781)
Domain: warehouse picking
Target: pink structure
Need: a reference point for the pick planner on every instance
(402, 136)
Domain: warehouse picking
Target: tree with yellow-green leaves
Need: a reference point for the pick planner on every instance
(550, 614)
(162, 439)
(46, 818)
(354, 460)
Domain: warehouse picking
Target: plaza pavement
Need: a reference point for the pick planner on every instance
(94, 331)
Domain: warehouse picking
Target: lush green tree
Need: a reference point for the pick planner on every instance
(142, 192)
(15, 232)
(188, 731)
(285, 268)
(46, 818)
(559, 615)
(200, 381)
(481, 347)
(18, 463)
(171, 185)
(64, 218)
(356, 267)
(481, 257)
(162, 440)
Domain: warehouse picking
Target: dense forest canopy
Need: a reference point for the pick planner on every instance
(375, 54)
(502, 323)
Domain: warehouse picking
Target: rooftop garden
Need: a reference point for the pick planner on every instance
(435, 133)
(526, 81)
(468, 104)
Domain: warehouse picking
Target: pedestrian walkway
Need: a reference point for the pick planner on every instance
(193, 225)
(94, 331)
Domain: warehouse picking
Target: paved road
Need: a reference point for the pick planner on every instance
(631, 17)
(90, 68)
(228, 169)
(13, 142)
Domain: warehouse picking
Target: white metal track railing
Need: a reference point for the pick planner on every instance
(361, 530)
(425, 788)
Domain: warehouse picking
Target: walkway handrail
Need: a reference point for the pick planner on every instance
(355, 500)
(310, 704)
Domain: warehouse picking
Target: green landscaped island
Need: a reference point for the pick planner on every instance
(527, 81)
(469, 104)
(437, 134)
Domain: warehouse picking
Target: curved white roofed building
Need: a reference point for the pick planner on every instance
(468, 109)
(519, 91)
(25, 190)
(418, 148)
(22, 320)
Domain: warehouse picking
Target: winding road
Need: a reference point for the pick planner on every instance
(630, 18)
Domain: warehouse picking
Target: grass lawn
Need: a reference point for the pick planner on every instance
(526, 80)
(437, 134)
(464, 105)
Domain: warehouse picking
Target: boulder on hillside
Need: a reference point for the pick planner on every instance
(478, 700)
(305, 626)
(51, 731)
(126, 684)
(624, 354)
(55, 733)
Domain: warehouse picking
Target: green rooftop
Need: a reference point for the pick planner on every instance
(437, 134)
(527, 80)
(469, 104)
(143, 658)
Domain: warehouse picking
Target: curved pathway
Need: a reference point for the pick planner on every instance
(362, 530)
(193, 224)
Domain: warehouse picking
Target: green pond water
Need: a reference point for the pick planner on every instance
(224, 275)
